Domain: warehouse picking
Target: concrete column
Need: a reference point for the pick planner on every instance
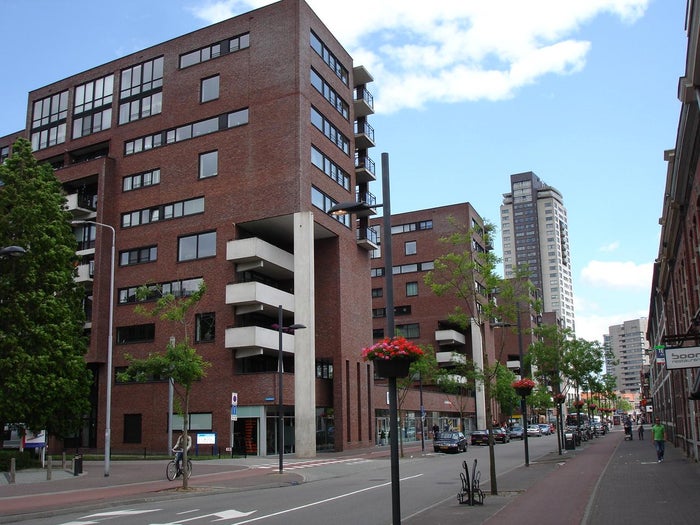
(478, 349)
(304, 340)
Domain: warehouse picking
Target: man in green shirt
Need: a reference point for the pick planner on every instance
(658, 434)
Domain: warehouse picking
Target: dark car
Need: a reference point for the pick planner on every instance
(450, 442)
(481, 437)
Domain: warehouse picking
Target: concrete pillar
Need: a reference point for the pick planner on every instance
(478, 349)
(304, 340)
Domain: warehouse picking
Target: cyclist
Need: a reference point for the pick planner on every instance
(178, 450)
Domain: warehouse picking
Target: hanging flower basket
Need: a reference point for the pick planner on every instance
(523, 387)
(392, 357)
(578, 404)
(559, 398)
(592, 407)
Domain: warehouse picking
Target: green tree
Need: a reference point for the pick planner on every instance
(180, 362)
(468, 272)
(45, 381)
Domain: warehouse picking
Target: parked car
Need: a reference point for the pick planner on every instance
(450, 442)
(480, 437)
(517, 432)
(534, 431)
(545, 429)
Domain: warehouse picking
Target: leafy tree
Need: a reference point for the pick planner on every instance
(180, 362)
(45, 381)
(468, 272)
(504, 392)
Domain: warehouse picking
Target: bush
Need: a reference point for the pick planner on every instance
(23, 460)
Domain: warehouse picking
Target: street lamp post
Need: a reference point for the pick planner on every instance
(12, 251)
(345, 208)
(108, 395)
(281, 329)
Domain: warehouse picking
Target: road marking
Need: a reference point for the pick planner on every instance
(221, 515)
(313, 463)
(320, 502)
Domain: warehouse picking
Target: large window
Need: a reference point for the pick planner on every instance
(330, 131)
(138, 256)
(205, 327)
(330, 168)
(209, 89)
(208, 164)
(215, 50)
(196, 246)
(140, 180)
(330, 94)
(182, 288)
(140, 333)
(329, 58)
(163, 212)
(49, 121)
(92, 106)
(140, 94)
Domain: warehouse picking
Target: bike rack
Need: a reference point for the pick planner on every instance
(470, 494)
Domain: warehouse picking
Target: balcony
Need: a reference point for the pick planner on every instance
(364, 135)
(258, 297)
(449, 337)
(367, 238)
(363, 102)
(85, 272)
(364, 169)
(361, 76)
(260, 256)
(248, 341)
(81, 206)
(450, 358)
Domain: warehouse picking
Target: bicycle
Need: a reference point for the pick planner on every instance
(172, 472)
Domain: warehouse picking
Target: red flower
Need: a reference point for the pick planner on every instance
(523, 383)
(396, 348)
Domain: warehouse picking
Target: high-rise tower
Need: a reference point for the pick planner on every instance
(535, 233)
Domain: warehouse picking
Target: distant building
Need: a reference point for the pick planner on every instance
(627, 345)
(535, 232)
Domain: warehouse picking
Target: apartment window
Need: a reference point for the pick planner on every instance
(323, 202)
(138, 256)
(409, 331)
(215, 50)
(188, 131)
(132, 428)
(208, 164)
(205, 327)
(196, 246)
(411, 289)
(181, 288)
(4, 153)
(140, 333)
(330, 168)
(49, 121)
(377, 292)
(163, 212)
(378, 312)
(330, 94)
(324, 369)
(410, 247)
(329, 58)
(209, 89)
(330, 131)
(141, 180)
(140, 94)
(92, 106)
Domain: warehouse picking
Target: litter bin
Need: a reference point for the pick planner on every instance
(77, 465)
(569, 443)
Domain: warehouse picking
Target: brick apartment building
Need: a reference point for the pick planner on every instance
(674, 306)
(215, 156)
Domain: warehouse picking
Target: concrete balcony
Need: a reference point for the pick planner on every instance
(258, 297)
(248, 341)
(364, 135)
(261, 257)
(85, 273)
(80, 206)
(364, 169)
(450, 358)
(449, 337)
(363, 103)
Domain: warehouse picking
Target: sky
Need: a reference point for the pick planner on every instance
(467, 92)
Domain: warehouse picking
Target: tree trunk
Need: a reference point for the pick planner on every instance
(489, 427)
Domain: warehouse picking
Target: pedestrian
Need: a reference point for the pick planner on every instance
(640, 432)
(658, 434)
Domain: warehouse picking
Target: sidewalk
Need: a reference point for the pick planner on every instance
(607, 480)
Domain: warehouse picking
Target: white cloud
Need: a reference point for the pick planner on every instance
(457, 50)
(610, 247)
(617, 274)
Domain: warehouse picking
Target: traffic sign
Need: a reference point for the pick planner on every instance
(234, 399)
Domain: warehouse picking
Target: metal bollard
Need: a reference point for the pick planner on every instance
(48, 468)
(12, 470)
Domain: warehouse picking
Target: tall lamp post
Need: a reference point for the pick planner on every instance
(354, 207)
(523, 399)
(281, 329)
(108, 395)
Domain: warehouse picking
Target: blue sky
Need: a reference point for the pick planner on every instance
(583, 93)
